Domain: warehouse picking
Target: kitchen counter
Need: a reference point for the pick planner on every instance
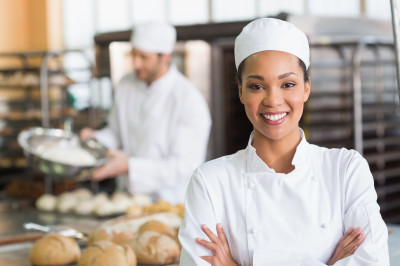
(11, 229)
(16, 254)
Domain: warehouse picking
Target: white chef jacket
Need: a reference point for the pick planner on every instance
(285, 219)
(163, 128)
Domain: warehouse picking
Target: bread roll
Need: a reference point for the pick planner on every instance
(120, 238)
(54, 249)
(132, 224)
(106, 253)
(134, 210)
(157, 226)
(155, 248)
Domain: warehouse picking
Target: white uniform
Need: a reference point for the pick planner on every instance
(163, 128)
(285, 219)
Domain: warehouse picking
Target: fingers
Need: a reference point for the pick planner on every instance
(99, 173)
(350, 242)
(86, 133)
(209, 233)
(103, 171)
(353, 246)
(222, 237)
(209, 259)
(217, 243)
(209, 245)
(220, 232)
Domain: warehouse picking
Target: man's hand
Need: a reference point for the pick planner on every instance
(117, 164)
(86, 133)
(219, 247)
(347, 245)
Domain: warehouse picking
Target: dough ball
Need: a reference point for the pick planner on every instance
(83, 193)
(100, 198)
(84, 207)
(46, 202)
(121, 202)
(105, 209)
(141, 200)
(66, 202)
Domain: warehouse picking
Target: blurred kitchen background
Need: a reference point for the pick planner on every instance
(60, 60)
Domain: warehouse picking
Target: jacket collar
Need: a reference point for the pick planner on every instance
(255, 164)
(164, 81)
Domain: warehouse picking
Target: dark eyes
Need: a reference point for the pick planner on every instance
(286, 85)
(256, 87)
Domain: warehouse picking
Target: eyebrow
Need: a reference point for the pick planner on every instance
(282, 76)
(286, 75)
(255, 77)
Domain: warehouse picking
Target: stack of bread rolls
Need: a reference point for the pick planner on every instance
(83, 202)
(153, 238)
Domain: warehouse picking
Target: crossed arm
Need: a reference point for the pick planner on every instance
(219, 246)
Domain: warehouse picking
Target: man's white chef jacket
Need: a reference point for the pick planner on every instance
(285, 219)
(163, 128)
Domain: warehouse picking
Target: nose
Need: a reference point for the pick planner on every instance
(273, 97)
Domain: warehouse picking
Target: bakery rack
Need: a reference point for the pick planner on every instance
(36, 89)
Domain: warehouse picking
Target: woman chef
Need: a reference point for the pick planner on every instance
(159, 122)
(281, 201)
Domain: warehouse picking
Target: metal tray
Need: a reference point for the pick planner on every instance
(36, 140)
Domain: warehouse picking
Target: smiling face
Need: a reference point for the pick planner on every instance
(273, 92)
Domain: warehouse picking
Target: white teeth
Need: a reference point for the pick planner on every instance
(275, 117)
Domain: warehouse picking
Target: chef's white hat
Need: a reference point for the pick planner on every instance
(155, 37)
(271, 34)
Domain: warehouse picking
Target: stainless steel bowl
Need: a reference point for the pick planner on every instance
(36, 140)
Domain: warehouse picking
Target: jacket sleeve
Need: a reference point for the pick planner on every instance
(362, 210)
(109, 135)
(198, 211)
(187, 150)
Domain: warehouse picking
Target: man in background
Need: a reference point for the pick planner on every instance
(159, 124)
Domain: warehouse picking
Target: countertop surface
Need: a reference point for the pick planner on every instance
(11, 225)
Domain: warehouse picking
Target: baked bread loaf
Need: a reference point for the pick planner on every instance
(132, 224)
(120, 238)
(157, 226)
(155, 248)
(54, 249)
(106, 253)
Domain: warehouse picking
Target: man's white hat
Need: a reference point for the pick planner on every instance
(155, 37)
(271, 34)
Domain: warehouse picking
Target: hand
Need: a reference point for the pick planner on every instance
(86, 133)
(118, 164)
(219, 247)
(347, 245)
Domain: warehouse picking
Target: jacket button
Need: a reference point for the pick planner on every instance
(254, 231)
(324, 225)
